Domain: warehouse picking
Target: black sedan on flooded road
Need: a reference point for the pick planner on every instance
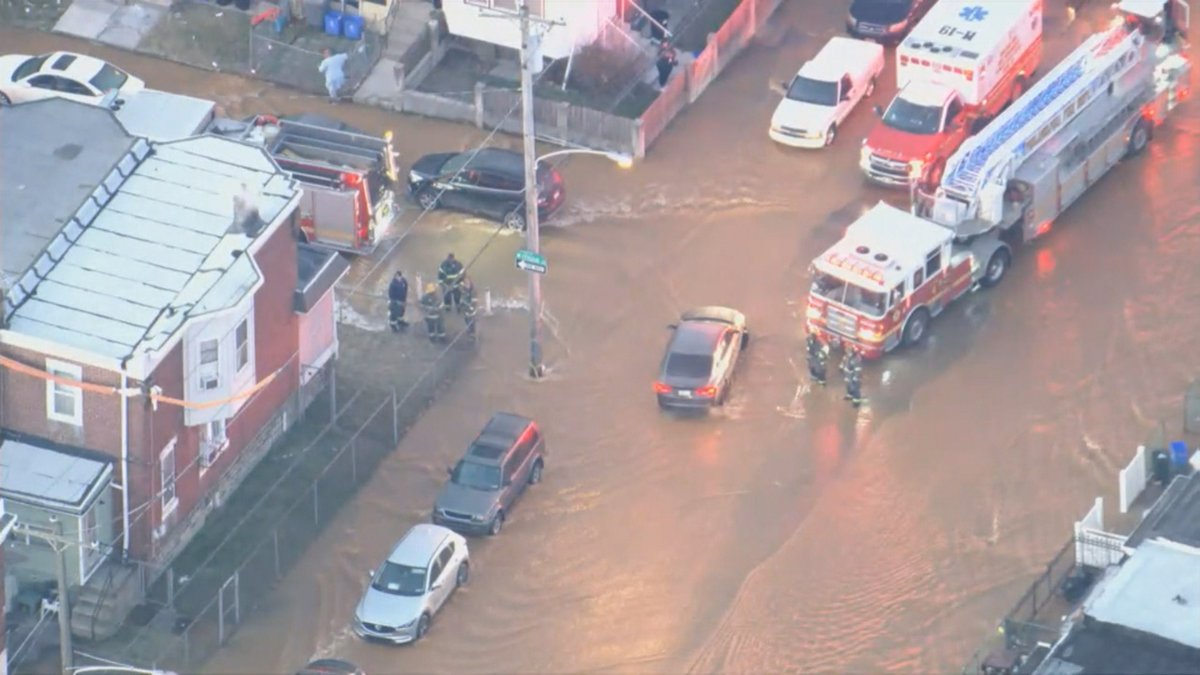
(697, 370)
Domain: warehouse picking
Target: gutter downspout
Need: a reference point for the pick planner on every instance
(124, 462)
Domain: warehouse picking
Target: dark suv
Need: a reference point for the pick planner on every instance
(507, 457)
(489, 183)
(886, 21)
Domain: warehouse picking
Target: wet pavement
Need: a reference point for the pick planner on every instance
(786, 532)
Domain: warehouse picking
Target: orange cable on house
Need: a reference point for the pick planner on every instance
(155, 398)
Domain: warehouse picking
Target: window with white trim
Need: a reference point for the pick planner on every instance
(242, 339)
(213, 441)
(64, 403)
(210, 364)
(167, 475)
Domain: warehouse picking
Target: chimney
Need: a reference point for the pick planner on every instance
(246, 218)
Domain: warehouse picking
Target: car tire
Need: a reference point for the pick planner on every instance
(997, 267)
(745, 339)
(4, 99)
(916, 327)
(427, 199)
(1139, 137)
(515, 220)
(422, 627)
(463, 575)
(724, 395)
(830, 135)
(535, 474)
(497, 525)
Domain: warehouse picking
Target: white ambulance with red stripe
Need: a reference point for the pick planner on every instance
(959, 67)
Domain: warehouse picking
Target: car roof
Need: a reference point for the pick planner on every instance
(697, 337)
(417, 547)
(499, 159)
(497, 437)
(836, 57)
(77, 66)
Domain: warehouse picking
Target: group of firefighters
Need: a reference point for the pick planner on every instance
(851, 368)
(453, 292)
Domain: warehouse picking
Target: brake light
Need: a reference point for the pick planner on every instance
(660, 388)
(706, 392)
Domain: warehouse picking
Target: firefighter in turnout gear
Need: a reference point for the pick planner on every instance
(469, 306)
(818, 359)
(431, 306)
(852, 365)
(450, 277)
(397, 302)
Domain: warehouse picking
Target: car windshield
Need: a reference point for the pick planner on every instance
(396, 579)
(818, 92)
(109, 78)
(476, 476)
(29, 67)
(871, 303)
(689, 365)
(915, 119)
(456, 163)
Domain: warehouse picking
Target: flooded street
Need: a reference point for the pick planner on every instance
(787, 532)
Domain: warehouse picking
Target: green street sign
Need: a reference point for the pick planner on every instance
(531, 262)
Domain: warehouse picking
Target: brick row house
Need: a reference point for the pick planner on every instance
(160, 324)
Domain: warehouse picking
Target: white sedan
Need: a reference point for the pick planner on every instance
(62, 74)
(826, 89)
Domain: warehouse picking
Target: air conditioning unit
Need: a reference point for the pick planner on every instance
(208, 453)
(209, 382)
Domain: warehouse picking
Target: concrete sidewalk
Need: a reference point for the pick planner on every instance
(112, 22)
(384, 86)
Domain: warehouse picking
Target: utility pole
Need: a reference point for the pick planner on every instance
(532, 233)
(60, 544)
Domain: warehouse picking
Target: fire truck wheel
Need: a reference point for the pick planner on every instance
(427, 200)
(997, 267)
(1139, 138)
(914, 330)
(1018, 89)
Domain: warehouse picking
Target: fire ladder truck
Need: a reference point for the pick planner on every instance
(1006, 185)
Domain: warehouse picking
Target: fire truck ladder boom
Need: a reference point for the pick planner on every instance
(1012, 136)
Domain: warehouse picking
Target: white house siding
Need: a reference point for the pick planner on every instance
(582, 22)
(318, 336)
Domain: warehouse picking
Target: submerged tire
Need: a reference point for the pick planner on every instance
(1139, 137)
(997, 267)
(916, 327)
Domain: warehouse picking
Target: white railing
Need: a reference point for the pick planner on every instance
(1093, 546)
(1132, 480)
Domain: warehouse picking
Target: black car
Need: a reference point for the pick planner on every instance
(705, 346)
(489, 182)
(885, 20)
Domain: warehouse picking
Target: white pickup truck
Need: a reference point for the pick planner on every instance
(824, 92)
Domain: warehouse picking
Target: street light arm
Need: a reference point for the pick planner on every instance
(621, 160)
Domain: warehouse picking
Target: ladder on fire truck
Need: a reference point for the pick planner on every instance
(1014, 134)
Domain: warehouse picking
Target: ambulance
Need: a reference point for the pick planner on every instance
(962, 65)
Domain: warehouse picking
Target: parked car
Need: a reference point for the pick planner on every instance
(697, 370)
(825, 90)
(331, 667)
(489, 183)
(409, 588)
(62, 74)
(507, 457)
(885, 20)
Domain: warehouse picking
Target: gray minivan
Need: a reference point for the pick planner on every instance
(508, 456)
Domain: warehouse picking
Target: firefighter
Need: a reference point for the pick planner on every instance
(397, 302)
(450, 275)
(431, 306)
(469, 306)
(818, 359)
(852, 373)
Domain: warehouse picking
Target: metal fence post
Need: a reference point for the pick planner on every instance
(316, 505)
(395, 421)
(220, 615)
(479, 116)
(275, 537)
(171, 587)
(237, 596)
(353, 462)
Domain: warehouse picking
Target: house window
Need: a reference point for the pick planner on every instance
(213, 442)
(210, 360)
(242, 337)
(64, 403)
(166, 468)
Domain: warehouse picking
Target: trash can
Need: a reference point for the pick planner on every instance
(1161, 466)
(1179, 454)
(333, 22)
(352, 27)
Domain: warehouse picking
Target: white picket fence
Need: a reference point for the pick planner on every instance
(1094, 547)
(1132, 480)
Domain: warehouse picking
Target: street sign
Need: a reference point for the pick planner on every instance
(531, 262)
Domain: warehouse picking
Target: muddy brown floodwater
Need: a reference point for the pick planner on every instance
(786, 532)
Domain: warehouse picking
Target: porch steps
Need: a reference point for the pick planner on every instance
(101, 607)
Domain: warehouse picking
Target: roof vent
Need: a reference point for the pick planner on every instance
(862, 250)
(246, 218)
(881, 257)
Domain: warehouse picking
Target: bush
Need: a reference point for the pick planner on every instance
(597, 71)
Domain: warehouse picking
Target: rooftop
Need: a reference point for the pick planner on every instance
(159, 242)
(835, 58)
(1175, 516)
(504, 424)
(1096, 648)
(1157, 590)
(66, 149)
(38, 473)
(317, 270)
(969, 26)
(902, 239)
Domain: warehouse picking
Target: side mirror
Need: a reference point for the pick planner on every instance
(779, 87)
(878, 110)
(436, 585)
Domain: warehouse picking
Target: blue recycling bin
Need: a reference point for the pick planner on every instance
(1179, 453)
(352, 27)
(333, 22)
